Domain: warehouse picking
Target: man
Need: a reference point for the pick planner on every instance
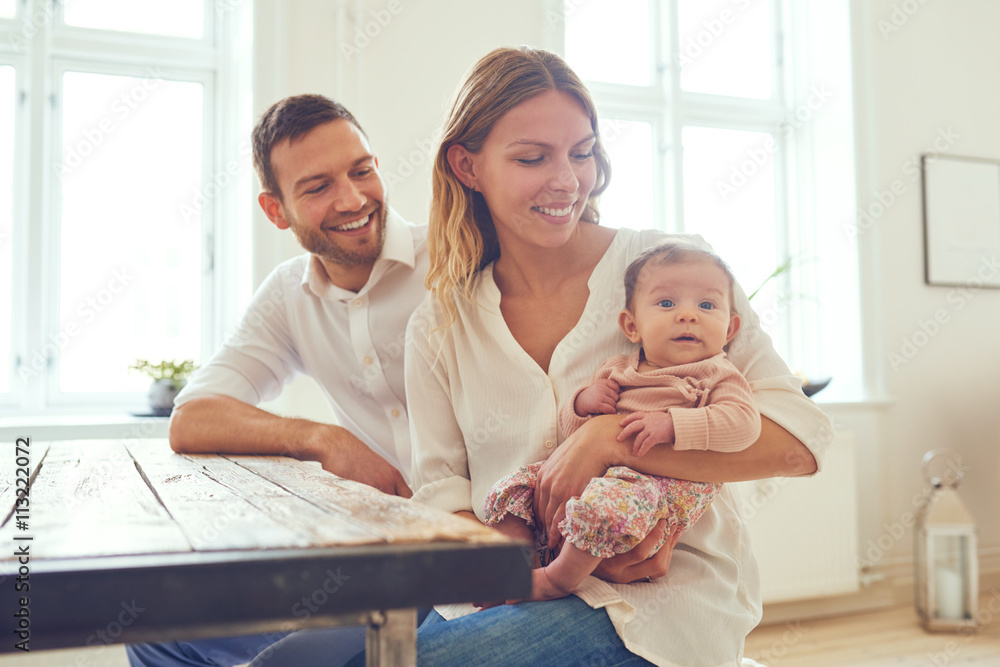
(337, 313)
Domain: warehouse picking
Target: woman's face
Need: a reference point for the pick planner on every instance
(536, 170)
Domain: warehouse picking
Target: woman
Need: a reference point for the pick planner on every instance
(526, 288)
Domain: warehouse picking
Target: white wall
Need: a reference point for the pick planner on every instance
(939, 70)
(412, 69)
(924, 70)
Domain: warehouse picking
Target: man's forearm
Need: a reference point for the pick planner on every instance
(224, 425)
(776, 453)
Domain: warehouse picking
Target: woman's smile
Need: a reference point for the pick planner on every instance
(536, 169)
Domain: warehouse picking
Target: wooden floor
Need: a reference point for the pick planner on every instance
(886, 638)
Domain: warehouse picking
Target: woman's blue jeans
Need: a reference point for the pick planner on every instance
(554, 633)
(558, 632)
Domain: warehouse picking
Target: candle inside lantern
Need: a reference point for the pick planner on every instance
(948, 585)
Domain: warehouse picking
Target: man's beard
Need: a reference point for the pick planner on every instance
(319, 244)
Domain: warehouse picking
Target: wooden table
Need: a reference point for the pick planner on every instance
(126, 542)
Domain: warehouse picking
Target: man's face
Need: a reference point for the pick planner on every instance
(333, 198)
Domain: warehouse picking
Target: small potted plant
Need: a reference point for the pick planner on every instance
(169, 377)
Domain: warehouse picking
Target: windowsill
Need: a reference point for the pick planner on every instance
(873, 402)
(118, 426)
(129, 427)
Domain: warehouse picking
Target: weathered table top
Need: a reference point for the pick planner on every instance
(130, 542)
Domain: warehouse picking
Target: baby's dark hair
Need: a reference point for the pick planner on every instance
(671, 252)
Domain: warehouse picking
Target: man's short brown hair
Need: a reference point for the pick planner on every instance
(291, 118)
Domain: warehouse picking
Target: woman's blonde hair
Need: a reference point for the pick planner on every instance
(461, 237)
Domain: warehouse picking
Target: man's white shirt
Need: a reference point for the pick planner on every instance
(351, 343)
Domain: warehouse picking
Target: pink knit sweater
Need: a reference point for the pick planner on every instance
(711, 402)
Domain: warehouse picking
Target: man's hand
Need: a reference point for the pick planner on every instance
(640, 562)
(224, 425)
(649, 428)
(339, 451)
(599, 398)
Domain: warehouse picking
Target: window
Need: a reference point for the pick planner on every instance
(179, 18)
(117, 170)
(732, 119)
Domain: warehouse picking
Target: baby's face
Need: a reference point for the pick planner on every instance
(681, 312)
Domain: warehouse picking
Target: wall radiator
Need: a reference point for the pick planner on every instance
(805, 530)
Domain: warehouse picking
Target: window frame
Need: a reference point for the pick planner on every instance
(217, 61)
(18, 238)
(670, 109)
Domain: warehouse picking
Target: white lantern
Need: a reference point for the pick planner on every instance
(947, 566)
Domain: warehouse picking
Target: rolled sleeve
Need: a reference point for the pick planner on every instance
(781, 400)
(451, 494)
(260, 356)
(233, 374)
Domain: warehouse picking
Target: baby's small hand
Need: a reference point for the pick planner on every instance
(649, 428)
(599, 398)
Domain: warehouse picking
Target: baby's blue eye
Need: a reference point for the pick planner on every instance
(666, 303)
(706, 305)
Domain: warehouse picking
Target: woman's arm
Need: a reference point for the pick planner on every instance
(593, 449)
(439, 467)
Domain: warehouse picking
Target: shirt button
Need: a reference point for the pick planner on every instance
(368, 361)
(395, 412)
(549, 444)
(357, 302)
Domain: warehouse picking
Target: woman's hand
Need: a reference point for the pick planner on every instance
(640, 563)
(586, 454)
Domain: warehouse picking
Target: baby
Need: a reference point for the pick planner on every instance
(677, 389)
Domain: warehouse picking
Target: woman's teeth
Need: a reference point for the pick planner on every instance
(354, 225)
(557, 212)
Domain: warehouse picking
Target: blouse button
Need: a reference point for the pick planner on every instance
(368, 361)
(395, 412)
(549, 444)
(357, 303)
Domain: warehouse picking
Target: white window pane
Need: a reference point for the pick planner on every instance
(7, 101)
(7, 9)
(177, 18)
(130, 269)
(628, 201)
(609, 40)
(726, 47)
(729, 199)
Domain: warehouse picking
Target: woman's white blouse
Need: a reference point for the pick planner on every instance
(480, 407)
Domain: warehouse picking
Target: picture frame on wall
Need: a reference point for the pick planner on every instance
(961, 208)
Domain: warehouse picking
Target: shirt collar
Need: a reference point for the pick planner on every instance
(397, 248)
